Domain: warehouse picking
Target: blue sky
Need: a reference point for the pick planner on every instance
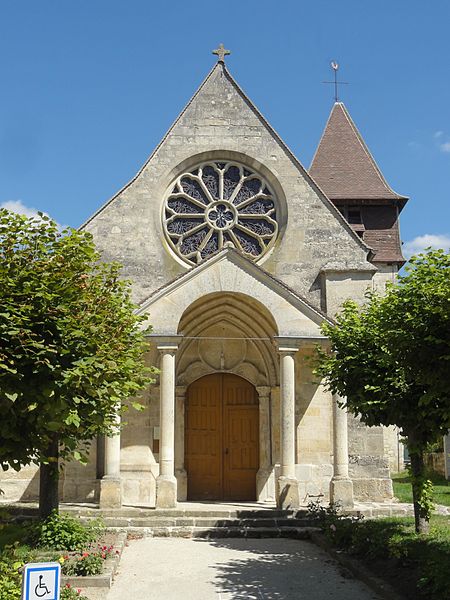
(89, 87)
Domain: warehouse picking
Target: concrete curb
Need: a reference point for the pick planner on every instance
(357, 569)
(103, 580)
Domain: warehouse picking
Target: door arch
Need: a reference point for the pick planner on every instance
(222, 438)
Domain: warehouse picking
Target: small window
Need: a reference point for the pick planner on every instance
(354, 216)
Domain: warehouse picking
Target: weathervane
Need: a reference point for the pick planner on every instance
(335, 66)
(221, 53)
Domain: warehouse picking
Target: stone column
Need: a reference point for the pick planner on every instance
(264, 478)
(341, 486)
(288, 496)
(166, 483)
(110, 484)
(180, 471)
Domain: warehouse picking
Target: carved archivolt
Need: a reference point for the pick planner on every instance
(220, 203)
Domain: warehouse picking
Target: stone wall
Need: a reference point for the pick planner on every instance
(314, 417)
(219, 123)
(435, 461)
(368, 466)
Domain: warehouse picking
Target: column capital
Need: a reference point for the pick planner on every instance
(166, 344)
(263, 391)
(286, 345)
(167, 349)
(292, 343)
(283, 350)
(180, 391)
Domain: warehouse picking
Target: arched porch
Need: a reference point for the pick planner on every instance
(228, 316)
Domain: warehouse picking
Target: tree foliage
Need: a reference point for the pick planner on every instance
(391, 359)
(70, 347)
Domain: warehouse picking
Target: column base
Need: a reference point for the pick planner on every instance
(110, 492)
(166, 491)
(288, 496)
(265, 485)
(181, 477)
(341, 491)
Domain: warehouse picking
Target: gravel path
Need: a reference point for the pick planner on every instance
(238, 569)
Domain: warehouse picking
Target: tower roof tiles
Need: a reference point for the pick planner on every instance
(344, 167)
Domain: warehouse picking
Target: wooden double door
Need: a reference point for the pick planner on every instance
(222, 438)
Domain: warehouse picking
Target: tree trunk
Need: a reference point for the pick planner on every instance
(48, 481)
(421, 513)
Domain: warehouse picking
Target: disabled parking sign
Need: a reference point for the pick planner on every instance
(41, 581)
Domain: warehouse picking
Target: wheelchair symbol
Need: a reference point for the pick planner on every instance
(41, 589)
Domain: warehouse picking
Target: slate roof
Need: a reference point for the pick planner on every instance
(343, 165)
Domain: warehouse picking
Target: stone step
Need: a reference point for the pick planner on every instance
(303, 533)
(92, 511)
(180, 513)
(203, 521)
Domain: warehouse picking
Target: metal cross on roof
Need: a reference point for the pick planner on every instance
(335, 66)
(221, 53)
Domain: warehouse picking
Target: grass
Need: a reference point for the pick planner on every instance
(403, 489)
(417, 566)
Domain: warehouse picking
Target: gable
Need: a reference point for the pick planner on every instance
(230, 273)
(220, 123)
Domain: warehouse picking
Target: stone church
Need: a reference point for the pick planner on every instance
(237, 254)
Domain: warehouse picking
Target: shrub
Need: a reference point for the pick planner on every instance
(65, 532)
(337, 527)
(10, 589)
(10, 575)
(70, 593)
(88, 562)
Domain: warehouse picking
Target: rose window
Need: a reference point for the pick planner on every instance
(220, 203)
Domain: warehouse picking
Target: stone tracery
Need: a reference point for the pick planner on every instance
(218, 203)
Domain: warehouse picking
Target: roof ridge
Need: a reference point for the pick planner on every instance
(366, 150)
(321, 137)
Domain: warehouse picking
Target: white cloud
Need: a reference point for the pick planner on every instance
(445, 147)
(438, 134)
(419, 243)
(17, 206)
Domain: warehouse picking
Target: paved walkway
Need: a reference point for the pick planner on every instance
(238, 569)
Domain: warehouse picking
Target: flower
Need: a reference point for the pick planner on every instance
(61, 560)
(333, 527)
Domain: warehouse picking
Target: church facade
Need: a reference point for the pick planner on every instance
(237, 254)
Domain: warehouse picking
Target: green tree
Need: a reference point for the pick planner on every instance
(390, 358)
(71, 352)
